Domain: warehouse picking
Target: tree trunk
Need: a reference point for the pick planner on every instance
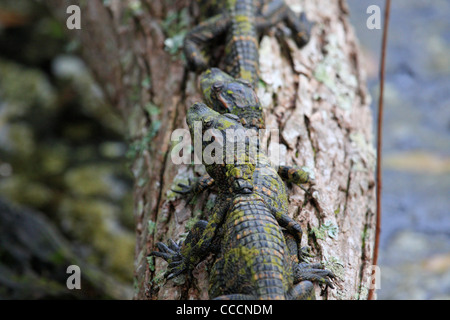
(316, 96)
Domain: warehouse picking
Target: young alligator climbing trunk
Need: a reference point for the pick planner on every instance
(242, 21)
(241, 51)
(252, 258)
(225, 94)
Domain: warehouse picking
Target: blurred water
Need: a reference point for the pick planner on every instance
(415, 238)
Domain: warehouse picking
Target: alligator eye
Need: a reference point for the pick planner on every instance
(218, 86)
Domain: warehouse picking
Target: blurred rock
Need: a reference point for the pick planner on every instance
(34, 260)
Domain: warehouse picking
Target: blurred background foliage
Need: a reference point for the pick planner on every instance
(62, 158)
(61, 152)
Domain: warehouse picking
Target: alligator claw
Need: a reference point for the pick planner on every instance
(186, 190)
(174, 264)
(307, 190)
(305, 254)
(163, 255)
(163, 248)
(172, 275)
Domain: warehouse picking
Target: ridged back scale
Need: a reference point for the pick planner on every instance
(252, 258)
(241, 49)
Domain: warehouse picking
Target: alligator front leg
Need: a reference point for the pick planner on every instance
(288, 174)
(293, 175)
(197, 244)
(297, 176)
(193, 189)
(172, 252)
(201, 35)
(277, 11)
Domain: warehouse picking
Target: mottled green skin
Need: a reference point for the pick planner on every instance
(225, 94)
(254, 259)
(242, 21)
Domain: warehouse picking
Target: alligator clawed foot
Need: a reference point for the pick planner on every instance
(314, 272)
(187, 191)
(172, 254)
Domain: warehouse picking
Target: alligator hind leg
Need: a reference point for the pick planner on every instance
(292, 250)
(172, 252)
(314, 272)
(292, 227)
(302, 291)
(295, 175)
(201, 35)
(300, 27)
(277, 11)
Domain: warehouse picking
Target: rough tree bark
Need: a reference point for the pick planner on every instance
(315, 96)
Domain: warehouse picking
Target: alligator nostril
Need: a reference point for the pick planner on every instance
(246, 191)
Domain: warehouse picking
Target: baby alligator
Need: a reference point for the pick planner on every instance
(253, 258)
(225, 94)
(241, 21)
